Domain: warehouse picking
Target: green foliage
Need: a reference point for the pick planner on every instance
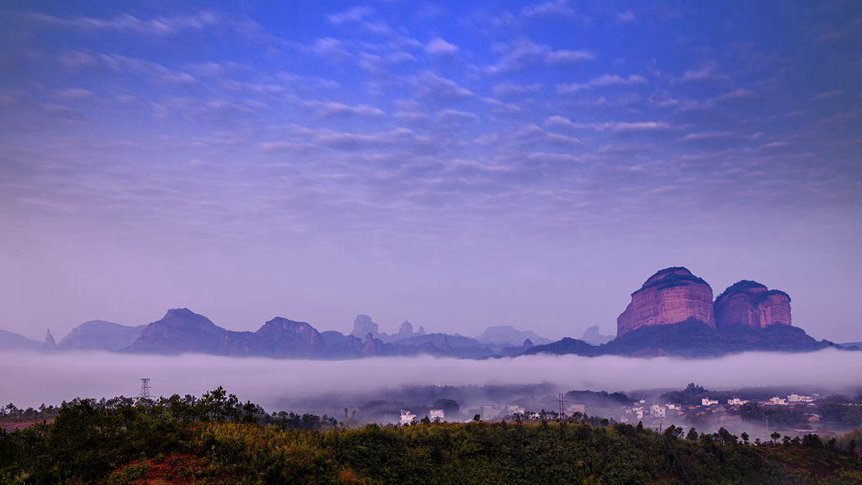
(218, 439)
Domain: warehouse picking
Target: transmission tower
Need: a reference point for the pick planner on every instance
(145, 388)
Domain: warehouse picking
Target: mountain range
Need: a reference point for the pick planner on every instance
(672, 314)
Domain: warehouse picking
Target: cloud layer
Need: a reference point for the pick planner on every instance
(34, 378)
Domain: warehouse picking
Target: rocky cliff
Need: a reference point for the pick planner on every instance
(752, 304)
(406, 330)
(363, 325)
(672, 295)
(372, 347)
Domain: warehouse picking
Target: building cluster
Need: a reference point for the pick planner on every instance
(657, 414)
(434, 415)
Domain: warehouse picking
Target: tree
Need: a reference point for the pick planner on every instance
(449, 406)
(673, 432)
(775, 436)
(744, 437)
(692, 435)
(812, 441)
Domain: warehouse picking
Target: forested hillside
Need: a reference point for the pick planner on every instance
(217, 439)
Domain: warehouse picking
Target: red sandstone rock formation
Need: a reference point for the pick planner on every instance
(372, 346)
(752, 304)
(672, 295)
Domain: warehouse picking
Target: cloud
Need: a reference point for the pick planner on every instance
(439, 47)
(707, 73)
(335, 109)
(737, 94)
(834, 34)
(601, 81)
(163, 26)
(552, 8)
(368, 19)
(524, 52)
(74, 93)
(411, 116)
(714, 135)
(328, 48)
(565, 56)
(34, 378)
(351, 15)
(830, 94)
(432, 85)
(159, 26)
(455, 116)
(500, 107)
(509, 89)
(125, 65)
(350, 140)
(378, 62)
(626, 16)
(612, 126)
(533, 134)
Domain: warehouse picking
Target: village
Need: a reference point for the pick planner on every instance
(793, 414)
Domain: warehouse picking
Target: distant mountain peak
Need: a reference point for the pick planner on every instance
(593, 336)
(180, 313)
(15, 341)
(281, 324)
(49, 343)
(363, 325)
(100, 335)
(509, 335)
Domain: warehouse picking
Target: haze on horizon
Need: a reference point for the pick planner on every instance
(457, 166)
(38, 377)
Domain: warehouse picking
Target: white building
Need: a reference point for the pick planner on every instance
(515, 409)
(799, 398)
(436, 415)
(777, 401)
(407, 417)
(674, 407)
(736, 401)
(658, 411)
(576, 408)
(488, 411)
(708, 402)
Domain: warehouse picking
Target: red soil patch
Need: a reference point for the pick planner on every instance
(22, 423)
(175, 468)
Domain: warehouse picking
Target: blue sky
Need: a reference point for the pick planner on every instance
(452, 163)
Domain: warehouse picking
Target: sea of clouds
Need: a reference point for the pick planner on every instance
(31, 378)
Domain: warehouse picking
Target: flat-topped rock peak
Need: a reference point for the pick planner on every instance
(752, 304)
(671, 295)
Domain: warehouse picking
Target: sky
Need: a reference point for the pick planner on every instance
(455, 164)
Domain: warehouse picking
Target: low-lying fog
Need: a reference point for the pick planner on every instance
(28, 379)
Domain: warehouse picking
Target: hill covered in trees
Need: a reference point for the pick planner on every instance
(218, 439)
